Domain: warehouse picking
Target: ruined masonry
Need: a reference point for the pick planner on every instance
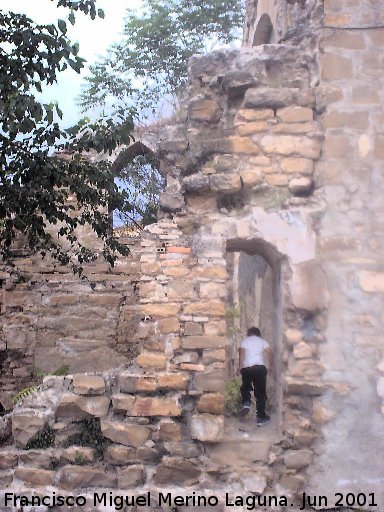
(272, 214)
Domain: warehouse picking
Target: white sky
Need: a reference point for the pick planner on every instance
(94, 37)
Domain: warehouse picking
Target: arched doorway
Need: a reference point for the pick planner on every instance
(264, 31)
(255, 299)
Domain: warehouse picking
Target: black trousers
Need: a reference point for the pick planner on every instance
(255, 377)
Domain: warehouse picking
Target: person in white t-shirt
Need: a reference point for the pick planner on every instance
(255, 360)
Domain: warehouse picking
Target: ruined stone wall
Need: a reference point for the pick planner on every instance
(279, 155)
(50, 317)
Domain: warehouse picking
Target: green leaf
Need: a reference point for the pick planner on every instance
(71, 18)
(62, 26)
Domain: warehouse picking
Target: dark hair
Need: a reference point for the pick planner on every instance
(253, 331)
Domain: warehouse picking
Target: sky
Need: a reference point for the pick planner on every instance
(94, 37)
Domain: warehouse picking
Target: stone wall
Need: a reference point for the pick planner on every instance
(351, 247)
(50, 318)
(277, 155)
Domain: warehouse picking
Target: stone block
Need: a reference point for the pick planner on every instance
(215, 328)
(365, 95)
(207, 307)
(8, 460)
(168, 325)
(277, 180)
(78, 455)
(297, 459)
(308, 287)
(192, 328)
(336, 67)
(210, 381)
(297, 166)
(251, 128)
(186, 357)
(6, 479)
(211, 289)
(156, 406)
(212, 272)
(235, 83)
(129, 383)
(226, 183)
(173, 381)
(125, 433)
(234, 144)
(182, 290)
(204, 110)
(176, 471)
(288, 145)
(295, 114)
(371, 282)
(186, 450)
(254, 115)
(254, 483)
(37, 458)
(203, 342)
(295, 128)
(251, 177)
(190, 367)
(88, 384)
(195, 183)
(122, 402)
(268, 98)
(164, 309)
(337, 146)
(75, 406)
(307, 368)
(302, 387)
(171, 203)
(213, 356)
(302, 350)
(82, 477)
(212, 403)
(152, 360)
(169, 431)
(119, 455)
(340, 119)
(131, 477)
(35, 477)
(207, 427)
(347, 39)
(25, 427)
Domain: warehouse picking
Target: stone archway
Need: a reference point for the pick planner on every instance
(264, 31)
(255, 271)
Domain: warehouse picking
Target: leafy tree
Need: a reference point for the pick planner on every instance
(41, 165)
(150, 63)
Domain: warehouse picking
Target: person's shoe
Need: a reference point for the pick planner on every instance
(245, 409)
(260, 422)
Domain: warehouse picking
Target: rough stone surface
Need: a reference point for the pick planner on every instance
(207, 427)
(178, 471)
(124, 433)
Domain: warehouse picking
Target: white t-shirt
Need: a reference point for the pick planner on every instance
(254, 347)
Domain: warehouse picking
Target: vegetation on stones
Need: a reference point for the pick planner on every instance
(38, 373)
(42, 440)
(150, 63)
(90, 436)
(42, 165)
(24, 393)
(232, 396)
